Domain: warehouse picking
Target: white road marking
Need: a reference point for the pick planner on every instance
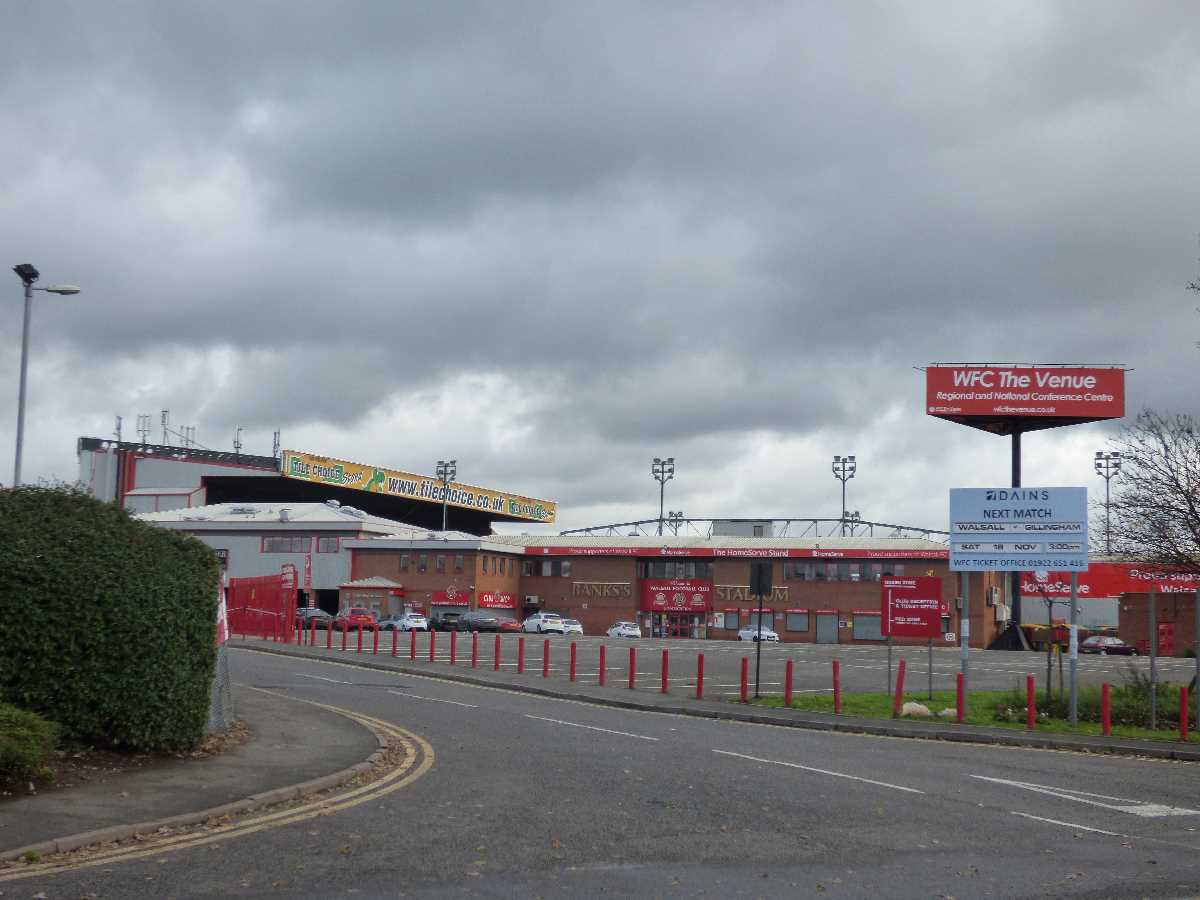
(1122, 804)
(323, 678)
(641, 737)
(776, 762)
(433, 699)
(1067, 824)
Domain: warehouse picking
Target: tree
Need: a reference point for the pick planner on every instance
(1156, 510)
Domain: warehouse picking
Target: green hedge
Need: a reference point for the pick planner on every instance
(106, 623)
(27, 742)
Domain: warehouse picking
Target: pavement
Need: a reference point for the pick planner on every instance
(681, 698)
(291, 743)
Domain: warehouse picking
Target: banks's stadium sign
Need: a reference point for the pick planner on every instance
(359, 477)
(1023, 398)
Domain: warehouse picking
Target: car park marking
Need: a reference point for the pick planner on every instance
(1070, 825)
(433, 699)
(640, 737)
(776, 762)
(323, 678)
(1133, 807)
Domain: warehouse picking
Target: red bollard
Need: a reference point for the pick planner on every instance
(432, 645)
(345, 632)
(546, 658)
(1030, 704)
(787, 685)
(745, 679)
(837, 686)
(360, 639)
(897, 702)
(1105, 710)
(496, 661)
(520, 655)
(329, 635)
(1183, 713)
(602, 665)
(699, 676)
(665, 667)
(474, 649)
(395, 641)
(632, 667)
(961, 700)
(453, 647)
(375, 640)
(572, 660)
(312, 633)
(412, 644)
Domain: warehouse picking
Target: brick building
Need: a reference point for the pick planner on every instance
(1175, 621)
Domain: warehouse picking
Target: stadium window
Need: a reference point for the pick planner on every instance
(796, 622)
(458, 562)
(440, 563)
(403, 562)
(547, 567)
(566, 568)
(528, 567)
(327, 545)
(731, 621)
(422, 562)
(286, 544)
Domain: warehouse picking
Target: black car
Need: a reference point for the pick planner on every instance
(480, 620)
(447, 621)
(308, 616)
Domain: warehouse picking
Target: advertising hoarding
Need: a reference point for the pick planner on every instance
(911, 607)
(359, 477)
(1014, 529)
(676, 595)
(992, 397)
(744, 552)
(451, 597)
(1108, 579)
(497, 600)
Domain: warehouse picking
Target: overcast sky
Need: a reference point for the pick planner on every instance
(554, 240)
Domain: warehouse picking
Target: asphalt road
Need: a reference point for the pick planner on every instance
(863, 667)
(533, 797)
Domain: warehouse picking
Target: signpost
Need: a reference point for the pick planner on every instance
(911, 607)
(1016, 529)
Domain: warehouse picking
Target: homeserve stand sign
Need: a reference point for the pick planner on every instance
(1018, 529)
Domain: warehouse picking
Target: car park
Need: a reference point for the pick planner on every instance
(355, 617)
(624, 630)
(447, 621)
(543, 622)
(480, 620)
(1106, 646)
(752, 634)
(312, 617)
(572, 626)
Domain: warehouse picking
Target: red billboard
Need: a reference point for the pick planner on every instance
(497, 600)
(676, 595)
(912, 607)
(451, 597)
(995, 397)
(1105, 580)
(746, 552)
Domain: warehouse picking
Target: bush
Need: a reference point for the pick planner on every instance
(107, 623)
(1130, 703)
(27, 741)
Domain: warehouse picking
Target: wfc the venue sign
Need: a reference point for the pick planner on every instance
(1018, 529)
(359, 477)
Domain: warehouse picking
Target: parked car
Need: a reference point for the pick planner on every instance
(480, 620)
(447, 621)
(1107, 645)
(625, 630)
(752, 634)
(509, 625)
(572, 626)
(542, 622)
(408, 621)
(355, 617)
(311, 616)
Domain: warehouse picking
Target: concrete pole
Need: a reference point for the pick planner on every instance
(964, 633)
(21, 390)
(1074, 645)
(1153, 660)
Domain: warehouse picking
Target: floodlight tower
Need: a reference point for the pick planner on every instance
(1108, 467)
(663, 471)
(844, 468)
(446, 473)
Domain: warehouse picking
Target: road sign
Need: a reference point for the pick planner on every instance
(1018, 529)
(912, 607)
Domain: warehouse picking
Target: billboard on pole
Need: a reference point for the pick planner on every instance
(911, 607)
(1018, 529)
(1003, 399)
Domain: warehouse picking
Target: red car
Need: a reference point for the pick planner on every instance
(355, 617)
(1107, 645)
(509, 625)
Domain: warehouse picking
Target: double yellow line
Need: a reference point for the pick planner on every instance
(418, 759)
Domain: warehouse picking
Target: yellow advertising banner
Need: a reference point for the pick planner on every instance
(359, 477)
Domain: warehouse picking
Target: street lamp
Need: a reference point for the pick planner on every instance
(1108, 467)
(675, 519)
(844, 468)
(663, 471)
(28, 275)
(446, 472)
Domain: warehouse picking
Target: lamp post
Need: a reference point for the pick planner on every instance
(852, 518)
(663, 471)
(675, 519)
(844, 468)
(1108, 467)
(446, 472)
(28, 275)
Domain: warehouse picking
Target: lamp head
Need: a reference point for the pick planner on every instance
(26, 272)
(61, 289)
